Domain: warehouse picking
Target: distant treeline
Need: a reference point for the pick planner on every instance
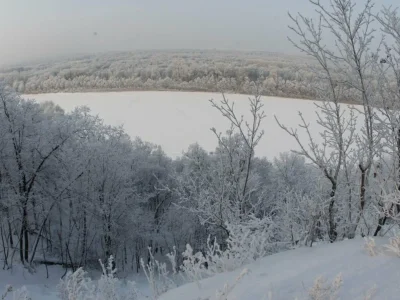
(211, 71)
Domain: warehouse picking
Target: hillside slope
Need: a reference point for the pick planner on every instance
(289, 275)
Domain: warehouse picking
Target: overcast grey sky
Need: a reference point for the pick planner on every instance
(39, 29)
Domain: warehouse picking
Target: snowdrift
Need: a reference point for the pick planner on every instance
(290, 275)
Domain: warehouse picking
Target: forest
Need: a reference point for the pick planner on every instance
(197, 70)
(74, 189)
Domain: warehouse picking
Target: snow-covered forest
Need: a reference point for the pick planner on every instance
(211, 71)
(74, 190)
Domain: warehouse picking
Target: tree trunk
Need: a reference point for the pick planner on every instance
(381, 222)
(21, 243)
(26, 233)
(107, 239)
(362, 194)
(332, 226)
(84, 238)
(9, 229)
(398, 166)
(362, 188)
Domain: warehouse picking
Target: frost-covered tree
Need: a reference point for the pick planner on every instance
(220, 188)
(388, 117)
(346, 69)
(32, 143)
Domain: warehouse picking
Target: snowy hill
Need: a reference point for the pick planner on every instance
(283, 276)
(289, 275)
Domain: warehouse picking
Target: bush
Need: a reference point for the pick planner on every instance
(20, 294)
(77, 286)
(157, 276)
(321, 290)
(394, 245)
(370, 246)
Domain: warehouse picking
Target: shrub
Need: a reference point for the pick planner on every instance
(394, 245)
(370, 246)
(321, 290)
(157, 276)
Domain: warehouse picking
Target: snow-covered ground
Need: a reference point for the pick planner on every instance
(289, 275)
(38, 286)
(43, 287)
(283, 276)
(175, 120)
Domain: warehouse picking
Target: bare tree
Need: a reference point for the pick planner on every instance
(388, 118)
(346, 70)
(250, 134)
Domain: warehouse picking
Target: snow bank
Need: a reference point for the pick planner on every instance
(290, 274)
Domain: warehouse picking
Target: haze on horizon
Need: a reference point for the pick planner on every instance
(43, 29)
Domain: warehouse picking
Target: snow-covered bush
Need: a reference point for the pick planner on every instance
(107, 286)
(108, 282)
(7, 290)
(370, 246)
(132, 291)
(157, 276)
(172, 259)
(19, 294)
(197, 266)
(76, 286)
(251, 240)
(321, 290)
(247, 242)
(218, 260)
(193, 266)
(224, 293)
(394, 245)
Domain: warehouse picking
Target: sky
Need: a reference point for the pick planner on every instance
(43, 29)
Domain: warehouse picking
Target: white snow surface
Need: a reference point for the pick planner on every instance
(286, 276)
(37, 284)
(289, 275)
(175, 120)
(41, 287)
